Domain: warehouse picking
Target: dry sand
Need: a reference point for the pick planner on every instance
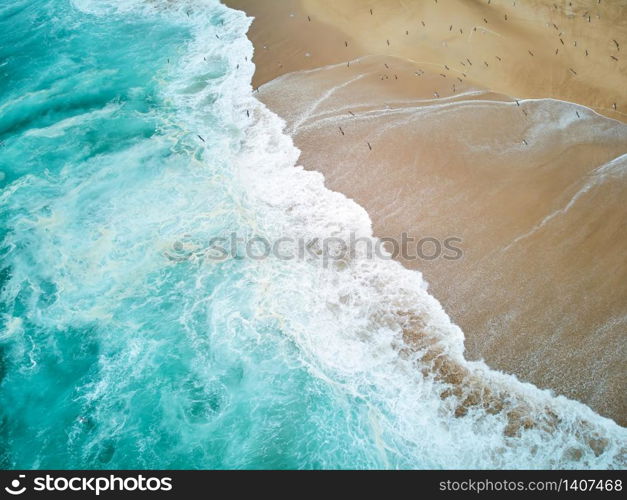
(287, 41)
(535, 189)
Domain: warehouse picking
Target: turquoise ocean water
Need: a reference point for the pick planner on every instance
(130, 138)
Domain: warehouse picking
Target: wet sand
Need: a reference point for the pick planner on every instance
(534, 188)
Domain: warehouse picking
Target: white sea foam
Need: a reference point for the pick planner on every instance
(368, 327)
(600, 175)
(353, 321)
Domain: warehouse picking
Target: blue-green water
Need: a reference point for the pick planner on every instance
(129, 139)
(111, 355)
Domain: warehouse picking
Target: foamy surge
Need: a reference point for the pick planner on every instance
(366, 326)
(370, 327)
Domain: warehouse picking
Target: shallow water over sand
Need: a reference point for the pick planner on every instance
(534, 188)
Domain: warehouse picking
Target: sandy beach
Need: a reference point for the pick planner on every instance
(456, 119)
(527, 49)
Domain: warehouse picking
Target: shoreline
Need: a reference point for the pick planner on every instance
(422, 180)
